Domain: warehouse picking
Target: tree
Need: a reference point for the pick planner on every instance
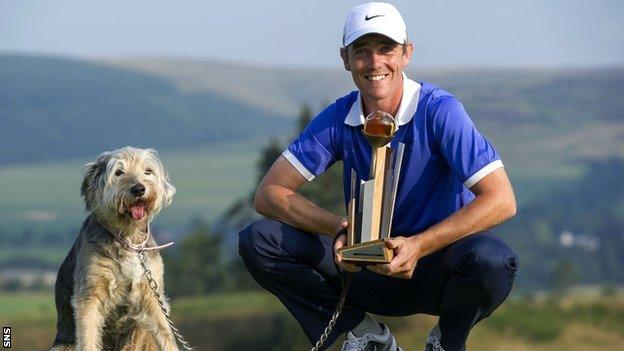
(199, 266)
(564, 276)
(304, 118)
(268, 155)
(325, 190)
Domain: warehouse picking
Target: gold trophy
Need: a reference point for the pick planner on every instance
(370, 212)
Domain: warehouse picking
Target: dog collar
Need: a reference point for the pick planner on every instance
(126, 244)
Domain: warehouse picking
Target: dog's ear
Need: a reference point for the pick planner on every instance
(170, 190)
(92, 178)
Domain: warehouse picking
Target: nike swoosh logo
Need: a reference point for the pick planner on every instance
(371, 17)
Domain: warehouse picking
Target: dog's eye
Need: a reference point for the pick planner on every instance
(119, 172)
(148, 172)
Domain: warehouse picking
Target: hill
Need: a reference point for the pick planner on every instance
(52, 108)
(544, 122)
(514, 94)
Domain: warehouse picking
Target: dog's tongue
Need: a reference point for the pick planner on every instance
(138, 212)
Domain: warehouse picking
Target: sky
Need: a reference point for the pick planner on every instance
(445, 33)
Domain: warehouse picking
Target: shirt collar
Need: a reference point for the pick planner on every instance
(407, 108)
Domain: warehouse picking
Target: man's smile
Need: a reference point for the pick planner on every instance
(376, 78)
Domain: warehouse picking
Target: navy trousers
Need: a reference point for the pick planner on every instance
(462, 283)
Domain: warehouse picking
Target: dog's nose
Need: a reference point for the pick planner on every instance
(138, 190)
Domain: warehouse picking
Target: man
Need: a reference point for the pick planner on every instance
(452, 188)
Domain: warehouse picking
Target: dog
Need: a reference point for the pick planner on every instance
(103, 301)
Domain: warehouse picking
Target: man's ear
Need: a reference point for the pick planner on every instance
(407, 53)
(345, 58)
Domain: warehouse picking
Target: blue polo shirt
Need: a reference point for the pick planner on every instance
(444, 153)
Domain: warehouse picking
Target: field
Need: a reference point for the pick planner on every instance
(38, 208)
(256, 321)
(208, 179)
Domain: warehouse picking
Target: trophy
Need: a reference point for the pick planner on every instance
(370, 211)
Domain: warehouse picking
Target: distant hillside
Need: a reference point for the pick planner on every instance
(512, 94)
(60, 108)
(542, 121)
(273, 89)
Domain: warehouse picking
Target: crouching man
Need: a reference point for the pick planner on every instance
(452, 189)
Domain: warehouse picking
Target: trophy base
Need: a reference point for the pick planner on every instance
(368, 252)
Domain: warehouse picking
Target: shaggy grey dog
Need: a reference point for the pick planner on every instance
(103, 301)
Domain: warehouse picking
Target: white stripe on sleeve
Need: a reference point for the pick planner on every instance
(298, 165)
(483, 172)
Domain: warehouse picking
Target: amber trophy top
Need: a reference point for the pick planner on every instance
(379, 128)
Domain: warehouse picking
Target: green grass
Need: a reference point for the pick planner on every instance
(609, 314)
(15, 307)
(538, 323)
(546, 320)
(237, 321)
(18, 307)
(227, 304)
(50, 255)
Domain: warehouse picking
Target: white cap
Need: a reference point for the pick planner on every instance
(374, 17)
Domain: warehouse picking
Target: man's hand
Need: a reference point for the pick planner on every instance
(407, 252)
(341, 240)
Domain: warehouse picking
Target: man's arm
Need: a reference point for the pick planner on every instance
(277, 198)
(494, 203)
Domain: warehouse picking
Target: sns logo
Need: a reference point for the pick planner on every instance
(6, 337)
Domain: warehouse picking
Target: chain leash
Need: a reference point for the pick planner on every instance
(334, 318)
(154, 287)
(328, 329)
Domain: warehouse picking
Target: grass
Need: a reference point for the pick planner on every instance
(536, 322)
(226, 305)
(256, 320)
(49, 255)
(26, 306)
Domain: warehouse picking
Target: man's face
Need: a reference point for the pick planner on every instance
(376, 64)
